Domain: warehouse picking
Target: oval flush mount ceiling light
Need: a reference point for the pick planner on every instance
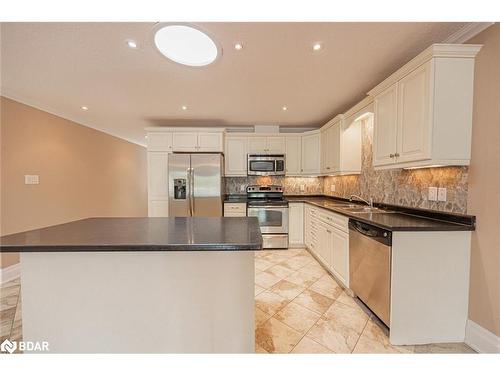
(186, 45)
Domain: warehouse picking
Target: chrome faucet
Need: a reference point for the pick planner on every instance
(368, 202)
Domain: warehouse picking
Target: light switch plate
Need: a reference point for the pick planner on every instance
(332, 188)
(31, 179)
(442, 194)
(433, 192)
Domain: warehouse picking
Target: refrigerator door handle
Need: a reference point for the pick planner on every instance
(191, 201)
(188, 171)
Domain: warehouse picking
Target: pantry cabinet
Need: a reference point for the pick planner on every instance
(423, 112)
(236, 150)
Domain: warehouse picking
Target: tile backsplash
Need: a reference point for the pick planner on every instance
(393, 186)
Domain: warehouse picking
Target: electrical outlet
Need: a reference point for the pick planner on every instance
(302, 187)
(433, 192)
(332, 188)
(442, 194)
(31, 179)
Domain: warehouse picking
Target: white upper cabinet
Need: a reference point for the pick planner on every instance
(159, 141)
(266, 145)
(311, 150)
(236, 155)
(185, 141)
(423, 112)
(212, 142)
(293, 155)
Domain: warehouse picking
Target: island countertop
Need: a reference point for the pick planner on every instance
(140, 234)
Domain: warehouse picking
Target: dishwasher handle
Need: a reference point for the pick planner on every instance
(375, 233)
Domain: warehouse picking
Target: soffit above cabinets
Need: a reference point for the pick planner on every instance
(63, 67)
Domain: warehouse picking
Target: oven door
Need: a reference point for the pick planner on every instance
(272, 219)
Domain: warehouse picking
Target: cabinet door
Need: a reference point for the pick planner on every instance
(210, 142)
(414, 120)
(276, 145)
(293, 155)
(158, 175)
(311, 154)
(257, 145)
(184, 141)
(236, 156)
(159, 141)
(340, 255)
(296, 224)
(384, 128)
(325, 244)
(332, 152)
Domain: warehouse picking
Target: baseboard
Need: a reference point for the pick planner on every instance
(480, 339)
(10, 273)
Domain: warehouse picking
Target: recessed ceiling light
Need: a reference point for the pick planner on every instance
(238, 46)
(84, 108)
(317, 46)
(285, 108)
(184, 107)
(186, 45)
(131, 43)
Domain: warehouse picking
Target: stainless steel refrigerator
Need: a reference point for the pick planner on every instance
(195, 184)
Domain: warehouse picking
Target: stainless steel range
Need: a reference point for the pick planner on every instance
(268, 205)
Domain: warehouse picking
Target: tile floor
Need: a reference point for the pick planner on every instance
(299, 308)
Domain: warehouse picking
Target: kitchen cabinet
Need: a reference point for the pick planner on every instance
(330, 147)
(293, 153)
(157, 183)
(236, 150)
(235, 209)
(327, 236)
(159, 141)
(311, 149)
(424, 105)
(296, 224)
(266, 144)
(197, 141)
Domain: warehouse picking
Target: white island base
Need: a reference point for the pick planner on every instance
(139, 301)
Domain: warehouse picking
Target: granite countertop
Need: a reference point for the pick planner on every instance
(140, 234)
(400, 219)
(238, 198)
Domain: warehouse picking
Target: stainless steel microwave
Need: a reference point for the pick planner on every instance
(266, 165)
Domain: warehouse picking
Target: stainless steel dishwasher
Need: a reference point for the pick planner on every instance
(370, 266)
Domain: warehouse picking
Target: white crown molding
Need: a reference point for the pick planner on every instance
(467, 32)
(10, 273)
(480, 339)
(441, 50)
(358, 107)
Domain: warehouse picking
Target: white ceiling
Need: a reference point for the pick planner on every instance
(60, 67)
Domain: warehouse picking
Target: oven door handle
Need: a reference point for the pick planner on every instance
(257, 207)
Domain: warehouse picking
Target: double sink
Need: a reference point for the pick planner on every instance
(358, 208)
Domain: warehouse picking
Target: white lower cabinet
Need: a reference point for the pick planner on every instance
(296, 224)
(327, 236)
(235, 209)
(157, 184)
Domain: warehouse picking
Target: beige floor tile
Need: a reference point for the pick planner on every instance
(445, 348)
(353, 302)
(295, 263)
(262, 264)
(270, 302)
(276, 337)
(313, 301)
(327, 286)
(266, 280)
(336, 337)
(260, 317)
(315, 269)
(347, 316)
(7, 284)
(308, 346)
(297, 317)
(375, 340)
(17, 331)
(6, 320)
(258, 289)
(260, 350)
(279, 271)
(301, 278)
(287, 289)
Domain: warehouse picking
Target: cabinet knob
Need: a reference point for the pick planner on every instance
(327, 167)
(396, 155)
(391, 155)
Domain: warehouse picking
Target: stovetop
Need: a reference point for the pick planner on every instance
(265, 195)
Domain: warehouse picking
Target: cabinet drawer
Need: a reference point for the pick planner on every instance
(235, 209)
(338, 221)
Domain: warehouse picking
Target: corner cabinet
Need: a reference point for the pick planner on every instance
(423, 112)
(311, 151)
(293, 155)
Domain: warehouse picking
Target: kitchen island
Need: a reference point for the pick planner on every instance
(139, 285)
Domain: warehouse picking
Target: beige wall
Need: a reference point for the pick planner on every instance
(484, 184)
(83, 172)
